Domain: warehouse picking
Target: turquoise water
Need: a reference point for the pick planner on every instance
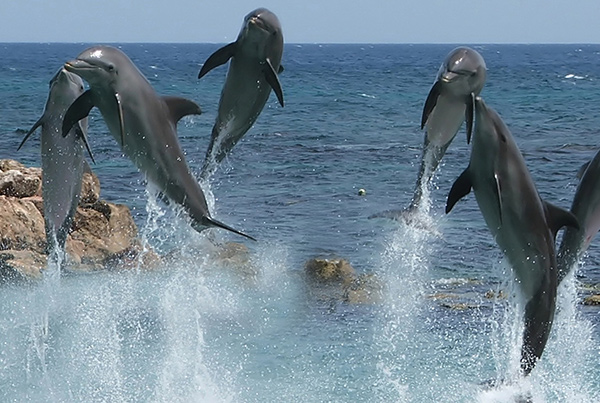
(197, 330)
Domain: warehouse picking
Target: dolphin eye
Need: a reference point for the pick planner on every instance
(111, 67)
(81, 87)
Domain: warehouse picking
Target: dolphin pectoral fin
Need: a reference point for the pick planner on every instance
(280, 70)
(218, 58)
(582, 170)
(461, 187)
(273, 81)
(558, 217)
(81, 134)
(121, 118)
(219, 224)
(430, 103)
(78, 110)
(30, 132)
(180, 107)
(469, 116)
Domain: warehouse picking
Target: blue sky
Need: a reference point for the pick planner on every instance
(308, 21)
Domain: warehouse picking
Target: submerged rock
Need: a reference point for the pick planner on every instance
(327, 270)
(591, 300)
(103, 234)
(336, 279)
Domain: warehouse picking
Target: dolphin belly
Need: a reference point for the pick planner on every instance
(445, 120)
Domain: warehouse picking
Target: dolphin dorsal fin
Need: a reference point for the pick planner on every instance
(180, 107)
(37, 124)
(273, 80)
(430, 103)
(462, 186)
(78, 110)
(582, 170)
(558, 217)
(218, 58)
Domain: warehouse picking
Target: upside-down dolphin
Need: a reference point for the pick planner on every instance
(255, 62)
(586, 207)
(523, 224)
(143, 123)
(62, 158)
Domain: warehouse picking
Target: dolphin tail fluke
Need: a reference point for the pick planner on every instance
(30, 132)
(218, 58)
(216, 223)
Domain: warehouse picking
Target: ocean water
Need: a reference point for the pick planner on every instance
(196, 330)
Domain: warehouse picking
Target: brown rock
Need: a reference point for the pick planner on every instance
(100, 236)
(21, 225)
(365, 289)
(326, 270)
(19, 183)
(592, 300)
(90, 189)
(21, 264)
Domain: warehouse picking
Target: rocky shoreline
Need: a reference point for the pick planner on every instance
(103, 235)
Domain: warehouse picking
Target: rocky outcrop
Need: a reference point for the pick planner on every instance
(337, 279)
(103, 235)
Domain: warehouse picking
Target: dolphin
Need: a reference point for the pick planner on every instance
(523, 224)
(586, 207)
(255, 62)
(143, 123)
(62, 158)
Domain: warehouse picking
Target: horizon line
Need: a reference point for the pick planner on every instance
(301, 43)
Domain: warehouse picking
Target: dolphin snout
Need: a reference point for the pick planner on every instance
(74, 65)
(449, 76)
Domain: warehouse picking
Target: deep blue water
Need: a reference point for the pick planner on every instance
(351, 120)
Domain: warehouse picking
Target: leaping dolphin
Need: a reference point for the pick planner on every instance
(62, 158)
(523, 224)
(144, 124)
(255, 62)
(586, 207)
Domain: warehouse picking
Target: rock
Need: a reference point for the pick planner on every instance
(97, 235)
(328, 270)
(90, 189)
(592, 300)
(21, 225)
(21, 264)
(365, 289)
(20, 184)
(103, 235)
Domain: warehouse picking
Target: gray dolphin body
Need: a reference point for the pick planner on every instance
(255, 62)
(523, 225)
(586, 207)
(461, 77)
(62, 158)
(145, 125)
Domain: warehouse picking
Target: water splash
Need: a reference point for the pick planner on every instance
(405, 266)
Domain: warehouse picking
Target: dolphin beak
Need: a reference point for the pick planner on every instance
(74, 65)
(257, 22)
(449, 76)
